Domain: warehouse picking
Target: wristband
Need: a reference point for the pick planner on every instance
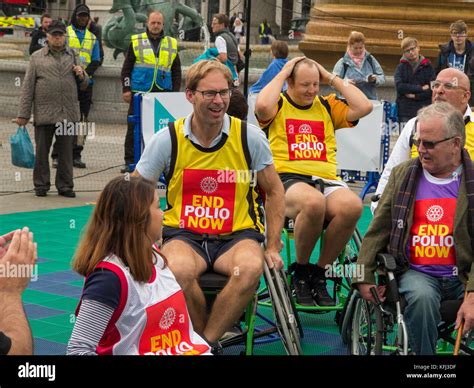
(331, 80)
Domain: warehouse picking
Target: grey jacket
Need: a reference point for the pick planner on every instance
(50, 87)
(361, 76)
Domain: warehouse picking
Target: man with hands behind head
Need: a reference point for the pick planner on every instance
(301, 128)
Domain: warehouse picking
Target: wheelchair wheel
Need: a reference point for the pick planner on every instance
(346, 317)
(367, 329)
(286, 290)
(285, 319)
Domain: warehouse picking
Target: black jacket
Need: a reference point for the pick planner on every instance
(446, 50)
(409, 82)
(130, 60)
(38, 40)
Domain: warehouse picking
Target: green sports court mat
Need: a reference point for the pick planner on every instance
(50, 300)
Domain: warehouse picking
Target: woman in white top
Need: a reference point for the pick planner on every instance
(238, 29)
(131, 303)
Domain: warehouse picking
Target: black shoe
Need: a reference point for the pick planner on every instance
(216, 348)
(125, 169)
(41, 193)
(78, 163)
(68, 194)
(55, 163)
(302, 291)
(320, 293)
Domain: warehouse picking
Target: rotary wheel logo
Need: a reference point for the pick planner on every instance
(168, 318)
(434, 213)
(304, 128)
(209, 185)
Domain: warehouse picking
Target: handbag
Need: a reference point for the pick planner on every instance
(23, 154)
(240, 65)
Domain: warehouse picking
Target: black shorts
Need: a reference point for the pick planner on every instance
(212, 247)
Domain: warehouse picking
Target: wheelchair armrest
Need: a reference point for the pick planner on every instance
(387, 261)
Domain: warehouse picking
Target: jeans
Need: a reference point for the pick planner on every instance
(424, 294)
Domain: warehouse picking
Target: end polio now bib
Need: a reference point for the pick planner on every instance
(431, 243)
(306, 140)
(432, 240)
(208, 202)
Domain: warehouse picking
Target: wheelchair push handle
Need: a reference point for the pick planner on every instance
(375, 295)
(387, 261)
(375, 197)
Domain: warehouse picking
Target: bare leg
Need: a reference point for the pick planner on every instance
(306, 206)
(243, 263)
(343, 210)
(187, 266)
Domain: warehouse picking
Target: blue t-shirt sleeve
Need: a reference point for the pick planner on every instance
(96, 51)
(103, 286)
(156, 157)
(259, 148)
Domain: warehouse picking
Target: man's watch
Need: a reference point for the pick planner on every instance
(331, 80)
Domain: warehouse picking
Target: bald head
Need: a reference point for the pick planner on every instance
(304, 65)
(457, 76)
(303, 83)
(452, 86)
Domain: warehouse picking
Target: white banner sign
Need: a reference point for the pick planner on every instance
(358, 148)
(158, 109)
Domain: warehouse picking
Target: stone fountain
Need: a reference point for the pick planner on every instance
(384, 23)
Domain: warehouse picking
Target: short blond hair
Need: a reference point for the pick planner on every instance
(408, 42)
(200, 69)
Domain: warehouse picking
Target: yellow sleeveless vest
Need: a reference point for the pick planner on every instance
(211, 191)
(303, 141)
(147, 70)
(84, 50)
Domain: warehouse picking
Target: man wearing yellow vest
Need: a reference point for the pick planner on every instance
(213, 163)
(301, 128)
(85, 44)
(451, 85)
(152, 65)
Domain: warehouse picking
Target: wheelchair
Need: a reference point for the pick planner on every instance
(377, 329)
(342, 269)
(286, 326)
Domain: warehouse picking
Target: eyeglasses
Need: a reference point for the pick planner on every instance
(459, 34)
(429, 145)
(211, 94)
(447, 85)
(408, 51)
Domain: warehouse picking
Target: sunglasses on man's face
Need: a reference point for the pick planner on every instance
(429, 145)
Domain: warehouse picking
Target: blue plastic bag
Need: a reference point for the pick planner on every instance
(23, 154)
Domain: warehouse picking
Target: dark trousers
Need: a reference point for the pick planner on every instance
(129, 140)
(41, 174)
(85, 102)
